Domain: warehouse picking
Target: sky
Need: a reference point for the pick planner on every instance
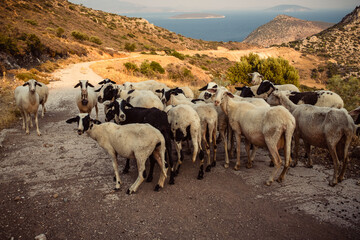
(204, 5)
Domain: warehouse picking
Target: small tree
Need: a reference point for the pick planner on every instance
(59, 31)
(130, 47)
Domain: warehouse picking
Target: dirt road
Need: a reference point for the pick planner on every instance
(60, 184)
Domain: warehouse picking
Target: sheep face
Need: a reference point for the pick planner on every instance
(256, 78)
(115, 110)
(84, 92)
(264, 87)
(32, 83)
(84, 122)
(209, 86)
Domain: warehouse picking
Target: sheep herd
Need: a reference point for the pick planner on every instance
(148, 117)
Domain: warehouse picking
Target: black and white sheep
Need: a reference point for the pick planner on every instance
(86, 99)
(185, 124)
(267, 127)
(27, 100)
(134, 141)
(322, 127)
(123, 113)
(266, 87)
(321, 98)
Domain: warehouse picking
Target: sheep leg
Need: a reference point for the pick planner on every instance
(42, 110)
(28, 120)
(23, 119)
(113, 154)
(213, 164)
(296, 149)
(309, 163)
(37, 124)
(127, 166)
(277, 163)
(141, 170)
(231, 141)
(250, 155)
(151, 171)
(345, 158)
(160, 158)
(97, 111)
(180, 155)
(207, 149)
(238, 142)
(226, 165)
(334, 156)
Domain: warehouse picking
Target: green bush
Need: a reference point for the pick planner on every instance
(130, 47)
(79, 35)
(59, 31)
(8, 45)
(156, 67)
(95, 40)
(30, 21)
(348, 89)
(175, 54)
(277, 70)
(131, 67)
(25, 76)
(34, 44)
(145, 69)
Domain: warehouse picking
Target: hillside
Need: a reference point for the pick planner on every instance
(36, 30)
(283, 29)
(340, 43)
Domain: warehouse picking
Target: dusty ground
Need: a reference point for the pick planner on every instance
(60, 184)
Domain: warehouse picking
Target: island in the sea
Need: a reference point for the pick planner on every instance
(197, 16)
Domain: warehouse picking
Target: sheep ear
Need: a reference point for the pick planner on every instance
(25, 84)
(98, 90)
(239, 88)
(108, 102)
(90, 84)
(71, 120)
(97, 122)
(159, 90)
(77, 85)
(38, 84)
(128, 105)
(230, 94)
(112, 81)
(102, 82)
(203, 88)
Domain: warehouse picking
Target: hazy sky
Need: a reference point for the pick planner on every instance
(198, 5)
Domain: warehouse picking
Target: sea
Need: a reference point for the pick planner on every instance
(236, 25)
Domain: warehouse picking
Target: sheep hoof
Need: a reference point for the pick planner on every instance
(129, 192)
(271, 164)
(309, 166)
(340, 179)
(39, 134)
(208, 168)
(116, 189)
(332, 183)
(157, 188)
(201, 175)
(226, 165)
(172, 178)
(237, 168)
(213, 164)
(149, 179)
(279, 180)
(293, 164)
(249, 165)
(268, 183)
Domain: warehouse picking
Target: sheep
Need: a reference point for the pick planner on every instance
(185, 124)
(209, 121)
(143, 98)
(27, 100)
(123, 113)
(151, 85)
(165, 95)
(108, 91)
(86, 98)
(256, 78)
(187, 92)
(266, 87)
(137, 141)
(262, 126)
(322, 127)
(43, 92)
(320, 98)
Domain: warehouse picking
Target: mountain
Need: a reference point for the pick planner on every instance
(283, 29)
(35, 31)
(288, 8)
(340, 42)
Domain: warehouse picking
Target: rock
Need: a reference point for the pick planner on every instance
(55, 195)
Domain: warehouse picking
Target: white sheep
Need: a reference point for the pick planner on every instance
(322, 127)
(321, 98)
(261, 126)
(187, 92)
(141, 98)
(209, 121)
(43, 92)
(86, 99)
(185, 124)
(27, 100)
(151, 85)
(134, 141)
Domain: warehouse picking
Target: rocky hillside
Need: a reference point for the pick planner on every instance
(283, 29)
(339, 43)
(34, 31)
